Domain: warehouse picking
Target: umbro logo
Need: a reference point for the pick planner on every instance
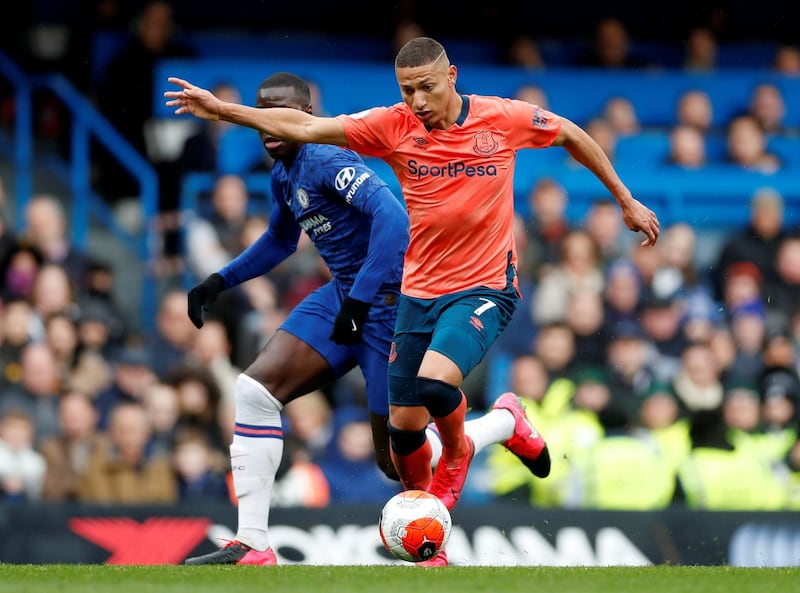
(420, 141)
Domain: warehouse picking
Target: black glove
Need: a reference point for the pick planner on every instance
(350, 321)
(203, 296)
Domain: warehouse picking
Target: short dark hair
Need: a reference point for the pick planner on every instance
(420, 51)
(287, 79)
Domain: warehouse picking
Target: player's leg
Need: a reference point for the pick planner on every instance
(408, 418)
(466, 326)
(372, 355)
(297, 359)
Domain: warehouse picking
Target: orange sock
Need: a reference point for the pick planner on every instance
(451, 431)
(414, 469)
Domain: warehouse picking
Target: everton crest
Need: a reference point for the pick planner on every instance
(485, 144)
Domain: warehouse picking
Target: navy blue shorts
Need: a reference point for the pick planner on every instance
(461, 326)
(312, 322)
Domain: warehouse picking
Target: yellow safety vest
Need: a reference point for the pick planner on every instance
(720, 480)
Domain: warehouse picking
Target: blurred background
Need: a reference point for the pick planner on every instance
(632, 361)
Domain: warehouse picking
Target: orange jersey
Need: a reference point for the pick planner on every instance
(458, 186)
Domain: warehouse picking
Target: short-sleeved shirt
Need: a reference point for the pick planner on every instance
(458, 186)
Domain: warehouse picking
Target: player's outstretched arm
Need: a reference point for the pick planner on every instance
(584, 149)
(290, 124)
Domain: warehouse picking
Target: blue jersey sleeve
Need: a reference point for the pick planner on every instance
(388, 241)
(277, 243)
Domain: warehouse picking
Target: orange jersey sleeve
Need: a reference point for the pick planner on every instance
(458, 186)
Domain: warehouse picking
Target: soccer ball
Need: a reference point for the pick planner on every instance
(415, 525)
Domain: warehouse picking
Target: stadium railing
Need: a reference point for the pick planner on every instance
(86, 124)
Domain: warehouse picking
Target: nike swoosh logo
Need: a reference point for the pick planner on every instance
(355, 327)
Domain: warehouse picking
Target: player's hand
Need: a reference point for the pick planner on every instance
(192, 99)
(203, 296)
(639, 217)
(349, 323)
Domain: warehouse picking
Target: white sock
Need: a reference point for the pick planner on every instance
(496, 426)
(256, 453)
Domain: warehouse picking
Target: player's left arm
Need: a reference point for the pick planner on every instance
(584, 149)
(388, 240)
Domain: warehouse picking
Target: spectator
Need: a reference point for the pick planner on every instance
(661, 319)
(611, 47)
(52, 294)
(61, 336)
(98, 296)
(169, 345)
(212, 350)
(37, 393)
(621, 114)
(700, 53)
(198, 402)
(555, 347)
(200, 151)
(768, 107)
(132, 374)
(748, 327)
(603, 132)
(128, 106)
(22, 468)
(199, 468)
(350, 458)
(757, 242)
(687, 148)
(213, 240)
(47, 230)
(746, 145)
(632, 374)
(67, 453)
(547, 225)
(533, 94)
(621, 295)
(121, 470)
(605, 226)
(623, 471)
(710, 478)
(15, 329)
(18, 271)
(578, 270)
(310, 419)
(695, 109)
(584, 316)
(160, 402)
(678, 275)
(782, 296)
(523, 51)
(698, 384)
(787, 60)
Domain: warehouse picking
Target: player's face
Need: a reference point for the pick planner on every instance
(278, 97)
(428, 91)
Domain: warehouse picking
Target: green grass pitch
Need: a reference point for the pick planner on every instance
(73, 578)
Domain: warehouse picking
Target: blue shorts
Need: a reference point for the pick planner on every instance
(312, 322)
(461, 326)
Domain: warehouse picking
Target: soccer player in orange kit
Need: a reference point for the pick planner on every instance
(454, 156)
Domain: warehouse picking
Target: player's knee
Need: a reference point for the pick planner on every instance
(253, 400)
(440, 398)
(405, 442)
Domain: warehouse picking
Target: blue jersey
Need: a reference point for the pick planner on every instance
(359, 227)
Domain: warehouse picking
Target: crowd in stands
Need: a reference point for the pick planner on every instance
(658, 375)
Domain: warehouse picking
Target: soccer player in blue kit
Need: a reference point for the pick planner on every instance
(361, 231)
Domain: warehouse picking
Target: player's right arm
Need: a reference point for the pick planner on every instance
(281, 122)
(274, 245)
